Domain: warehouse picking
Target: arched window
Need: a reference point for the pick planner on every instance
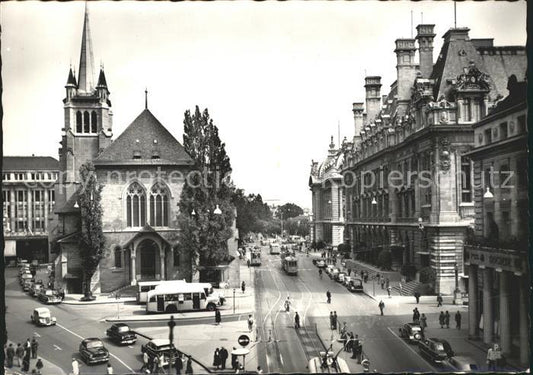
(93, 122)
(86, 124)
(117, 253)
(79, 126)
(159, 206)
(135, 206)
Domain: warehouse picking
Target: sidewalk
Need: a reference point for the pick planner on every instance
(48, 367)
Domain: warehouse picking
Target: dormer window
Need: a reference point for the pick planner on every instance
(136, 154)
(155, 155)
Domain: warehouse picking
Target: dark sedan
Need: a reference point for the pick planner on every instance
(121, 334)
(92, 350)
(411, 332)
(436, 350)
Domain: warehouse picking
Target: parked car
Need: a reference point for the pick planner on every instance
(49, 296)
(412, 332)
(333, 273)
(320, 263)
(27, 284)
(35, 289)
(346, 280)
(24, 277)
(355, 286)
(158, 347)
(464, 363)
(436, 350)
(339, 277)
(42, 316)
(121, 334)
(92, 350)
(25, 268)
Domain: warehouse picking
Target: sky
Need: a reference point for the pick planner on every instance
(277, 78)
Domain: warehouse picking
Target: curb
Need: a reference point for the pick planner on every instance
(110, 302)
(151, 318)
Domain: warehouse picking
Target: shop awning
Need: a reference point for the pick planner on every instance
(10, 248)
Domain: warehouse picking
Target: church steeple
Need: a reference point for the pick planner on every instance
(86, 70)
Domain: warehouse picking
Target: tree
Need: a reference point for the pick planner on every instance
(203, 232)
(92, 239)
(289, 210)
(297, 225)
(253, 214)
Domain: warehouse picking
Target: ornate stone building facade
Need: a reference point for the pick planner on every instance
(409, 189)
(142, 173)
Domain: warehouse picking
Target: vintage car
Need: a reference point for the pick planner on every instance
(92, 350)
(464, 363)
(35, 289)
(347, 280)
(436, 350)
(42, 317)
(333, 273)
(49, 296)
(24, 277)
(339, 277)
(328, 363)
(412, 332)
(26, 285)
(320, 263)
(157, 347)
(121, 334)
(355, 285)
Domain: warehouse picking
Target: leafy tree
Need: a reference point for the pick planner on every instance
(92, 239)
(297, 225)
(203, 233)
(289, 210)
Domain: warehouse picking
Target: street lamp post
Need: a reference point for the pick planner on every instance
(171, 325)
(457, 297)
(234, 300)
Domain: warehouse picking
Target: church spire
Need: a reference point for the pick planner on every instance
(86, 71)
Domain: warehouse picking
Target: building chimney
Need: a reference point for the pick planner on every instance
(425, 36)
(358, 110)
(373, 97)
(406, 70)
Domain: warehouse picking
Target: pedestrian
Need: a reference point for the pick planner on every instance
(344, 330)
(243, 286)
(216, 359)
(497, 353)
(355, 346)
(27, 346)
(234, 361)
(156, 364)
(10, 354)
(381, 306)
(328, 296)
(378, 277)
(331, 319)
(416, 315)
(417, 297)
(178, 365)
(491, 359)
(61, 294)
(250, 322)
(75, 367)
(439, 300)
(109, 368)
(359, 351)
(423, 323)
(296, 320)
(334, 320)
(366, 277)
(349, 271)
(188, 368)
(442, 319)
(388, 291)
(223, 357)
(349, 342)
(259, 369)
(146, 362)
(382, 283)
(26, 361)
(458, 320)
(447, 319)
(34, 347)
(39, 365)
(19, 352)
(387, 283)
(218, 317)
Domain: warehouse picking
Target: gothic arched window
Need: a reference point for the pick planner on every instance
(79, 126)
(86, 125)
(93, 122)
(159, 202)
(135, 206)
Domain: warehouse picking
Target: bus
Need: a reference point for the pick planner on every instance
(255, 258)
(171, 298)
(290, 265)
(274, 249)
(143, 287)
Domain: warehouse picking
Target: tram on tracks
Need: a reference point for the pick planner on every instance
(255, 258)
(290, 265)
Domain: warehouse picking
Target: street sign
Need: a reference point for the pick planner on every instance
(243, 340)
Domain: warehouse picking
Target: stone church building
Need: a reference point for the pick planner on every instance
(142, 173)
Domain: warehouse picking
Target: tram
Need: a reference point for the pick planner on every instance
(255, 258)
(290, 265)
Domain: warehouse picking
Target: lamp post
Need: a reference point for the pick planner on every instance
(457, 297)
(171, 325)
(234, 300)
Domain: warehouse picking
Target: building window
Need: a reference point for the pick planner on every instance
(176, 258)
(79, 125)
(488, 136)
(93, 122)
(467, 110)
(521, 124)
(86, 122)
(159, 206)
(466, 180)
(51, 200)
(503, 130)
(135, 206)
(117, 252)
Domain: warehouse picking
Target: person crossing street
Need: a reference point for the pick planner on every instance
(296, 320)
(381, 306)
(458, 320)
(34, 347)
(328, 296)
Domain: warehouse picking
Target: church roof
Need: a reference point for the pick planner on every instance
(29, 163)
(71, 79)
(101, 79)
(145, 142)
